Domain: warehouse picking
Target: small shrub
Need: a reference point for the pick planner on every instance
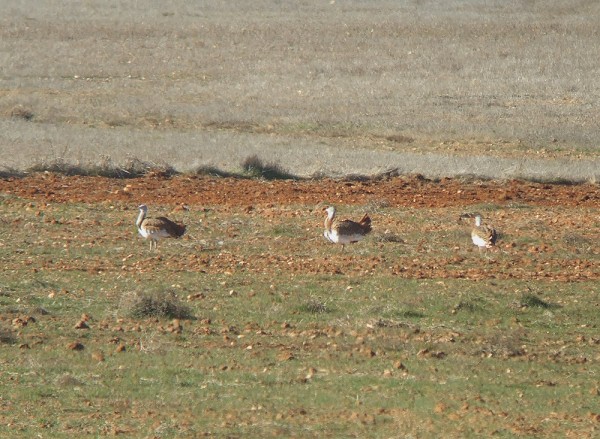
(68, 380)
(7, 336)
(20, 112)
(166, 305)
(387, 323)
(465, 306)
(7, 172)
(135, 167)
(400, 138)
(389, 237)
(377, 204)
(409, 313)
(254, 167)
(315, 306)
(58, 166)
(532, 301)
(500, 345)
(578, 241)
(213, 172)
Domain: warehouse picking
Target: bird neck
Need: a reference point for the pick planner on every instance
(329, 220)
(478, 221)
(140, 218)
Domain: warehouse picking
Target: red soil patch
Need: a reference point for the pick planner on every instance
(200, 190)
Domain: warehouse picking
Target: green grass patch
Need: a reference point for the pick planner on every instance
(289, 336)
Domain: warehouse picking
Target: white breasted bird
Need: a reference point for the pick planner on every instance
(483, 236)
(157, 228)
(346, 231)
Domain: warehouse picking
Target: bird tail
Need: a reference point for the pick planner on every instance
(365, 222)
(492, 238)
(179, 230)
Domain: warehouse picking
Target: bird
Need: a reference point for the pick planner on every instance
(346, 231)
(157, 228)
(483, 236)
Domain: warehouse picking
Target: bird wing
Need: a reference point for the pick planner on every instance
(486, 234)
(365, 222)
(349, 227)
(162, 224)
(492, 235)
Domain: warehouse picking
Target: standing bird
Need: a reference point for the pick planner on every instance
(483, 236)
(156, 228)
(346, 231)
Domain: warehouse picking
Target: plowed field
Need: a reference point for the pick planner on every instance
(408, 192)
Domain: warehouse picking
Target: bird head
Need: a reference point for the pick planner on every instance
(330, 211)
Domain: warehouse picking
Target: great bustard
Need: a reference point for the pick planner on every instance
(157, 228)
(345, 231)
(483, 236)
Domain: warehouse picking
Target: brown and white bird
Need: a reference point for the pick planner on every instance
(346, 231)
(483, 236)
(157, 228)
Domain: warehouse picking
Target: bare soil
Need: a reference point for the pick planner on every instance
(544, 213)
(413, 191)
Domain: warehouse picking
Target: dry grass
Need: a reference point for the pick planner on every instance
(254, 166)
(339, 89)
(131, 169)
